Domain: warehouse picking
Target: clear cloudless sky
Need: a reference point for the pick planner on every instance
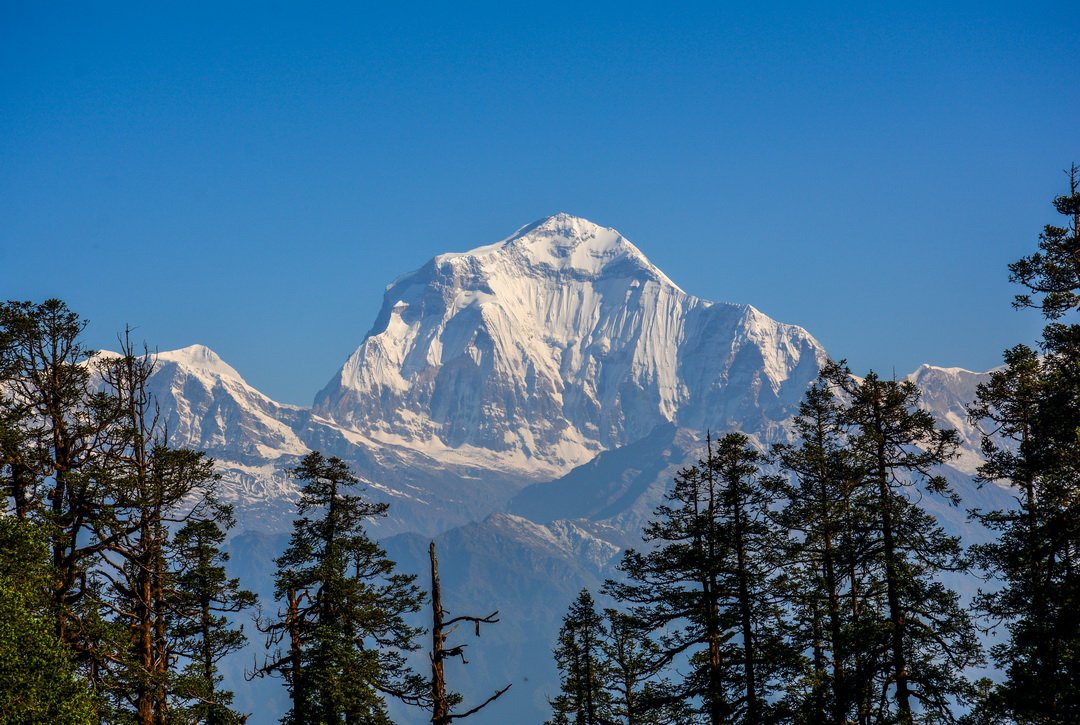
(250, 176)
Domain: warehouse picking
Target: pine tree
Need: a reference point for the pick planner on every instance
(1033, 403)
(709, 584)
(1052, 275)
(149, 488)
(636, 693)
(929, 639)
(582, 665)
(343, 624)
(201, 633)
(830, 581)
(54, 425)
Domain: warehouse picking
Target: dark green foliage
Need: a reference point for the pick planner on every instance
(200, 632)
(609, 671)
(709, 585)
(83, 459)
(341, 636)
(637, 694)
(1052, 274)
(831, 576)
(1033, 403)
(583, 667)
(38, 683)
(55, 427)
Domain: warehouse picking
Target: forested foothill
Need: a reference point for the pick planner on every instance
(799, 584)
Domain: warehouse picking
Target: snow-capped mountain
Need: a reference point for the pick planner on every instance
(509, 365)
(211, 408)
(947, 393)
(527, 403)
(540, 351)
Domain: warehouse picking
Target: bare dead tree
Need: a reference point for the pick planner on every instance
(443, 702)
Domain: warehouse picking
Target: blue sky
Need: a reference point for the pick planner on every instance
(250, 177)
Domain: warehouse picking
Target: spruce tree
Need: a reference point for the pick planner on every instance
(831, 584)
(54, 424)
(637, 695)
(1033, 406)
(200, 631)
(709, 584)
(340, 639)
(928, 637)
(150, 489)
(582, 665)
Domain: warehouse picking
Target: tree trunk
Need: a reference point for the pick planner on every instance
(440, 711)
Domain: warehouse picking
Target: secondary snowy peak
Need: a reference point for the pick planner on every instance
(556, 343)
(947, 393)
(200, 358)
(205, 404)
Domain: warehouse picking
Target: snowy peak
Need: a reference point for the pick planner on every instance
(556, 343)
(207, 405)
(562, 244)
(202, 359)
(947, 393)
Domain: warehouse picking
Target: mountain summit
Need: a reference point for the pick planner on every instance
(555, 343)
(565, 245)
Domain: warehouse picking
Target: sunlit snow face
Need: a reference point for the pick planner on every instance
(555, 343)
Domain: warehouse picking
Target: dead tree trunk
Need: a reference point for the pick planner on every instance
(440, 627)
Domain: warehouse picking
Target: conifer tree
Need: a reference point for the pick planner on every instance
(38, 681)
(929, 639)
(709, 584)
(831, 583)
(201, 633)
(53, 425)
(636, 693)
(582, 665)
(1033, 404)
(342, 626)
(150, 487)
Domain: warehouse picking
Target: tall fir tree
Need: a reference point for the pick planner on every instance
(637, 694)
(709, 584)
(340, 640)
(199, 628)
(583, 668)
(831, 584)
(1030, 411)
(151, 488)
(55, 423)
(929, 639)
